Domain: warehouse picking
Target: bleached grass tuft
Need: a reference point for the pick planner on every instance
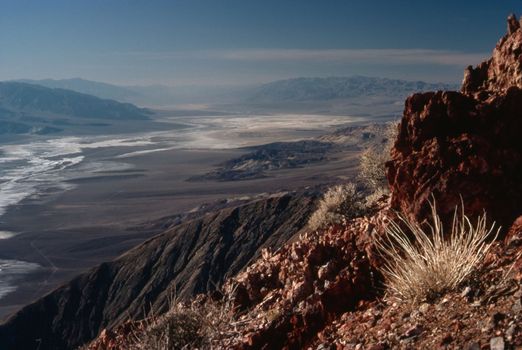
(373, 160)
(204, 325)
(339, 203)
(425, 263)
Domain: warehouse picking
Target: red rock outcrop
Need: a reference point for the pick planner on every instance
(296, 291)
(321, 290)
(503, 70)
(465, 144)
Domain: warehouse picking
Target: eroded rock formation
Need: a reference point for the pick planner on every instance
(296, 291)
(465, 144)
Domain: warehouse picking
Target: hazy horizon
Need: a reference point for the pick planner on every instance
(238, 85)
(233, 43)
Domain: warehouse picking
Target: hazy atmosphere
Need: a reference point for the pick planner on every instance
(209, 43)
(258, 175)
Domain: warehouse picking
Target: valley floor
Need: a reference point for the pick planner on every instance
(106, 214)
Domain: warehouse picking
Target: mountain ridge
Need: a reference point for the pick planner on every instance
(190, 258)
(34, 109)
(294, 89)
(330, 88)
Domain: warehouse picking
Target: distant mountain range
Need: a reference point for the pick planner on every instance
(95, 88)
(158, 95)
(324, 89)
(34, 109)
(281, 91)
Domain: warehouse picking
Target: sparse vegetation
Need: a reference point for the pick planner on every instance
(343, 202)
(420, 263)
(198, 325)
(373, 160)
(180, 328)
(339, 203)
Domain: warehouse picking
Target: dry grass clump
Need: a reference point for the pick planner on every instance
(373, 160)
(422, 264)
(199, 325)
(180, 328)
(338, 204)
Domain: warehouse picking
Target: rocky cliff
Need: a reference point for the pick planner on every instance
(454, 145)
(323, 290)
(194, 257)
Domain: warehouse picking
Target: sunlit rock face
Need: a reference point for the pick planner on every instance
(454, 145)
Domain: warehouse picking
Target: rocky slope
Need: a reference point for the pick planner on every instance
(452, 145)
(455, 145)
(323, 290)
(190, 258)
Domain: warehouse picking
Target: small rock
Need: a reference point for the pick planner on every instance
(476, 304)
(513, 24)
(465, 292)
(510, 331)
(487, 326)
(376, 347)
(413, 332)
(323, 270)
(423, 308)
(447, 339)
(472, 346)
(496, 343)
(496, 318)
(517, 306)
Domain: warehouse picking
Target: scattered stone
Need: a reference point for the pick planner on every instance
(466, 292)
(473, 346)
(413, 331)
(497, 343)
(423, 308)
(513, 24)
(496, 318)
(510, 332)
(447, 339)
(517, 306)
(377, 347)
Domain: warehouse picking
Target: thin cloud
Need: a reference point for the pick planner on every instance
(368, 56)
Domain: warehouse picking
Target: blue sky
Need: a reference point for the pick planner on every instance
(231, 42)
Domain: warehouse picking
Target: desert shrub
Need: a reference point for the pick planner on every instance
(373, 160)
(339, 203)
(375, 196)
(178, 329)
(422, 263)
(201, 325)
